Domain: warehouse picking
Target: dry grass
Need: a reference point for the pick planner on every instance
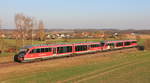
(147, 44)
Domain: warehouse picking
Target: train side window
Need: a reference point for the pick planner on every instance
(111, 44)
(33, 51)
(47, 49)
(127, 43)
(38, 50)
(42, 50)
(119, 44)
(84, 48)
(134, 41)
(81, 48)
(69, 48)
(102, 44)
(95, 45)
(64, 49)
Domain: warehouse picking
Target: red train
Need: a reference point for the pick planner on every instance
(46, 51)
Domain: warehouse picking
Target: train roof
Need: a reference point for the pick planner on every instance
(113, 41)
(39, 45)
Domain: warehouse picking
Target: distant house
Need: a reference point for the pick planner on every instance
(3, 35)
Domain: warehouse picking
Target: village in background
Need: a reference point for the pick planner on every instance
(29, 31)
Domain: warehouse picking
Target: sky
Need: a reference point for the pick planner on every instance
(83, 14)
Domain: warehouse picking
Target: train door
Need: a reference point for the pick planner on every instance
(103, 46)
(112, 46)
(54, 51)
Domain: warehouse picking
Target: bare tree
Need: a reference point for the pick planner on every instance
(1, 38)
(32, 30)
(41, 31)
(0, 23)
(138, 37)
(104, 36)
(24, 27)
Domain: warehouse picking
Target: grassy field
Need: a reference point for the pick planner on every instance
(122, 67)
(130, 67)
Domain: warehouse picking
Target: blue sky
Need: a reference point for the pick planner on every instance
(120, 14)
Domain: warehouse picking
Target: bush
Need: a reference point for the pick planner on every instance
(140, 47)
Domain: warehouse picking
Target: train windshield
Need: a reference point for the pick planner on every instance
(23, 50)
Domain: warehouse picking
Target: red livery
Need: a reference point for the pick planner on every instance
(46, 51)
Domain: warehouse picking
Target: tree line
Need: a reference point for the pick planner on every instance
(25, 26)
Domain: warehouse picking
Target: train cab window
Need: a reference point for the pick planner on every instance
(33, 51)
(24, 50)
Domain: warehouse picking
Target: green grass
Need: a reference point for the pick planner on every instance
(127, 68)
(138, 73)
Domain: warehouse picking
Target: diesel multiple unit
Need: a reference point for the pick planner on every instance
(46, 51)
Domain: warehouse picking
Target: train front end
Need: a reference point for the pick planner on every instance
(19, 57)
